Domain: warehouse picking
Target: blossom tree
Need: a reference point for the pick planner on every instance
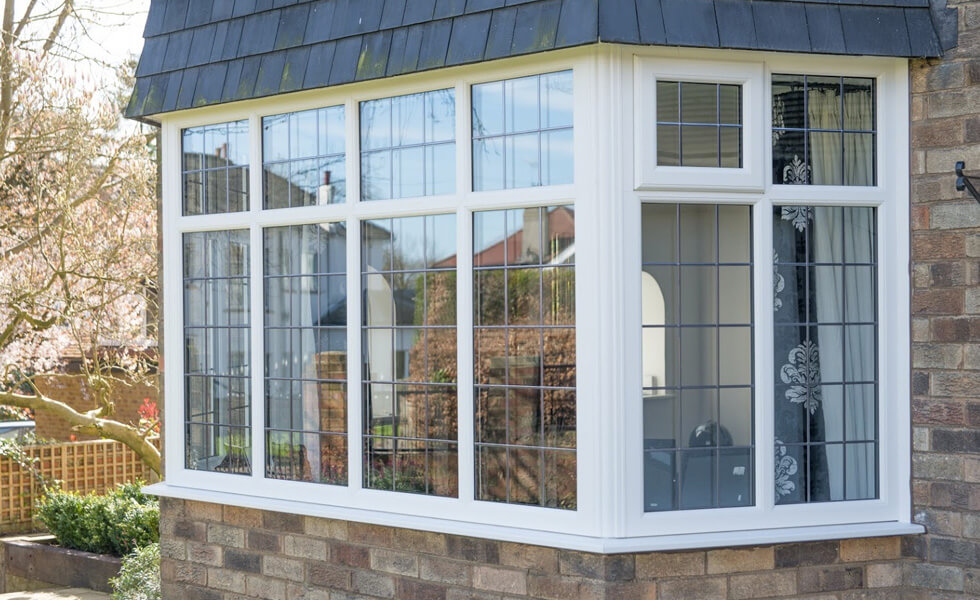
(78, 243)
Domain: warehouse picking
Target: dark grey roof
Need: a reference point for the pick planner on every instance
(202, 52)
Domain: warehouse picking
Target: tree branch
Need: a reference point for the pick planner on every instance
(89, 423)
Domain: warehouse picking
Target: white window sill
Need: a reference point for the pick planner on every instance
(540, 538)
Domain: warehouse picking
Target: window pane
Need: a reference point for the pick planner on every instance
(407, 148)
(699, 124)
(522, 130)
(409, 344)
(823, 130)
(213, 155)
(306, 353)
(697, 356)
(217, 356)
(825, 388)
(525, 368)
(303, 158)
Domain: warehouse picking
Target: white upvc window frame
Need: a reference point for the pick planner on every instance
(607, 194)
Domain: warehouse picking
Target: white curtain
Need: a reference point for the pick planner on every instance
(823, 108)
(858, 148)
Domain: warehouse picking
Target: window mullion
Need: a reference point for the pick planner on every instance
(764, 368)
(257, 348)
(466, 404)
(355, 408)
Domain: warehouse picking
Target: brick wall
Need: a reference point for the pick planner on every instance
(214, 552)
(946, 312)
(74, 392)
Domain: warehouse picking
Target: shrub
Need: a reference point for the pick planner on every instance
(117, 523)
(139, 578)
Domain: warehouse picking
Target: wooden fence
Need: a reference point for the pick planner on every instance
(81, 467)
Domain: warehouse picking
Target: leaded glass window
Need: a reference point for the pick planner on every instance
(408, 146)
(823, 130)
(306, 352)
(522, 132)
(409, 347)
(698, 382)
(215, 168)
(303, 158)
(699, 124)
(525, 352)
(826, 332)
(217, 361)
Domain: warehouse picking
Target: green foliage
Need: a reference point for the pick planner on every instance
(139, 578)
(116, 523)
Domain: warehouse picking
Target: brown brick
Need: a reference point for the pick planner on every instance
(938, 133)
(283, 568)
(265, 588)
(935, 577)
(329, 576)
(264, 541)
(227, 580)
(326, 528)
(242, 517)
(883, 575)
(412, 589)
(957, 383)
(940, 522)
(971, 468)
(670, 564)
(190, 530)
(830, 579)
(740, 559)
(373, 584)
(445, 570)
(956, 440)
(937, 302)
(929, 411)
(553, 587)
(934, 245)
(867, 549)
(305, 547)
(282, 522)
(370, 535)
(204, 554)
(937, 466)
(597, 566)
(806, 555)
(499, 579)
(202, 511)
(186, 572)
(937, 356)
(225, 535)
(701, 588)
(174, 549)
(238, 560)
(419, 541)
(536, 558)
(302, 592)
(762, 585)
(472, 549)
(634, 590)
(393, 561)
(350, 555)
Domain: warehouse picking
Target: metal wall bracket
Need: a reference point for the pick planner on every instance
(963, 181)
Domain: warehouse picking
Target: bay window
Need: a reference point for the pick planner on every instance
(534, 301)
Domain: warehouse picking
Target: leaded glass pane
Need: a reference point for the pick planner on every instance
(525, 356)
(215, 168)
(303, 158)
(699, 124)
(825, 353)
(698, 375)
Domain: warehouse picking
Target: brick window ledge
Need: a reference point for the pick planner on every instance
(539, 538)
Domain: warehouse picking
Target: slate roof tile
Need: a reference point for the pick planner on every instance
(259, 47)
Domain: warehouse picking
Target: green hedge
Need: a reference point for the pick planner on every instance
(139, 578)
(117, 523)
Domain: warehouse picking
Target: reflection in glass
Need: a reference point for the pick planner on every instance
(825, 352)
(408, 146)
(697, 356)
(823, 130)
(215, 168)
(699, 124)
(524, 348)
(409, 346)
(216, 350)
(522, 132)
(303, 158)
(305, 301)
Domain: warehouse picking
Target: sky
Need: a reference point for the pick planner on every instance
(116, 35)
